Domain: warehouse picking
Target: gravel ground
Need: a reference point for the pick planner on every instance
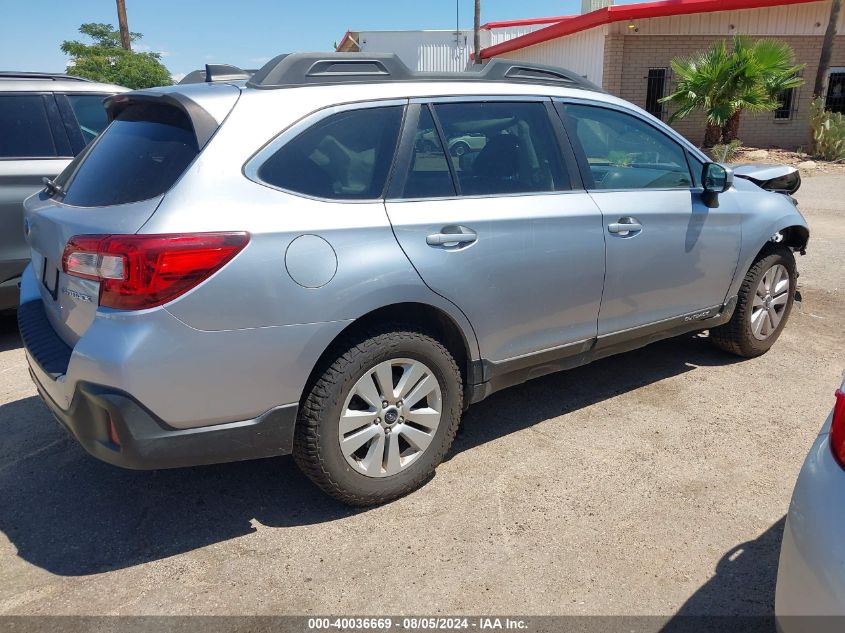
(655, 482)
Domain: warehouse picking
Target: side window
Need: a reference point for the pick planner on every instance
(90, 114)
(346, 156)
(25, 128)
(623, 152)
(428, 176)
(502, 147)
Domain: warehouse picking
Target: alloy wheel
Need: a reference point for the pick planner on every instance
(390, 417)
(770, 301)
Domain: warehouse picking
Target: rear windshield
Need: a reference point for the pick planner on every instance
(139, 156)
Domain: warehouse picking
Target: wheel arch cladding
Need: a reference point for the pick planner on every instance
(415, 316)
(796, 236)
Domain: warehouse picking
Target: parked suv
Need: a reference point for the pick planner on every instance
(242, 269)
(45, 120)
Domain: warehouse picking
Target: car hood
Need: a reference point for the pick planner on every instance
(778, 178)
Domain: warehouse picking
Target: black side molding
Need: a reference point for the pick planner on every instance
(503, 374)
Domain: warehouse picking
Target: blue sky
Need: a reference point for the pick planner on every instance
(246, 33)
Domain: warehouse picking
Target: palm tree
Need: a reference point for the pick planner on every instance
(725, 83)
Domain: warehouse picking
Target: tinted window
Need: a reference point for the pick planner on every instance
(90, 114)
(25, 128)
(697, 168)
(139, 156)
(429, 175)
(624, 152)
(502, 147)
(345, 156)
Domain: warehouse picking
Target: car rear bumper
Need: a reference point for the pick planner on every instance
(811, 572)
(144, 441)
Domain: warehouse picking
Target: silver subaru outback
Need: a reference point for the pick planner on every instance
(270, 264)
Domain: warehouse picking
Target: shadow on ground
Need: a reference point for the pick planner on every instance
(9, 337)
(741, 595)
(72, 515)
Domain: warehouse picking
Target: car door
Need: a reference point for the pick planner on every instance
(669, 256)
(33, 144)
(504, 230)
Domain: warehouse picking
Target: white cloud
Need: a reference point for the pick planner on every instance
(143, 48)
(177, 77)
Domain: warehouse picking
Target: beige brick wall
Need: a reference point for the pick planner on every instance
(614, 48)
(629, 57)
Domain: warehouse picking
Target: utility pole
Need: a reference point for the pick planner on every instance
(477, 32)
(124, 26)
(827, 48)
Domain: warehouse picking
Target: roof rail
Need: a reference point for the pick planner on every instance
(13, 74)
(303, 69)
(216, 72)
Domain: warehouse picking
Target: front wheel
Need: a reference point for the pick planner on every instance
(763, 305)
(380, 418)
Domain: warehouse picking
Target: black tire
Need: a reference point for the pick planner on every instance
(316, 439)
(736, 335)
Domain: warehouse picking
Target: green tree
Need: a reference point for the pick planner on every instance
(106, 60)
(725, 83)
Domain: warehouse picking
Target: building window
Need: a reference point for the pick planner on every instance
(655, 91)
(786, 105)
(835, 99)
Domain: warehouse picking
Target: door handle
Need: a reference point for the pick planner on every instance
(625, 226)
(452, 236)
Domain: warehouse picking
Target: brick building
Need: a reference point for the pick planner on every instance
(628, 49)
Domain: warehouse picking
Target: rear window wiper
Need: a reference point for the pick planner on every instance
(53, 188)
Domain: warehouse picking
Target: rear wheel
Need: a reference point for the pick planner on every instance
(380, 418)
(763, 305)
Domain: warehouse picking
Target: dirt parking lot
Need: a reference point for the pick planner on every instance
(651, 483)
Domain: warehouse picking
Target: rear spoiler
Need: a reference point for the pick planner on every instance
(203, 123)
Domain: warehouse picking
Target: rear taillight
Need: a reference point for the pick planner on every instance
(144, 271)
(837, 427)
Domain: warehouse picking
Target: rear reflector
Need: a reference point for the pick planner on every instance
(143, 271)
(113, 438)
(837, 428)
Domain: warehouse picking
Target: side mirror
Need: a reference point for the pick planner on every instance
(716, 179)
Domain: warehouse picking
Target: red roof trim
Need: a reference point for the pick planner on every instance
(503, 24)
(620, 13)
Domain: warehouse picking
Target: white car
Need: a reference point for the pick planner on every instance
(811, 574)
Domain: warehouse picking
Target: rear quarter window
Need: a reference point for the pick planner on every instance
(90, 114)
(346, 156)
(140, 155)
